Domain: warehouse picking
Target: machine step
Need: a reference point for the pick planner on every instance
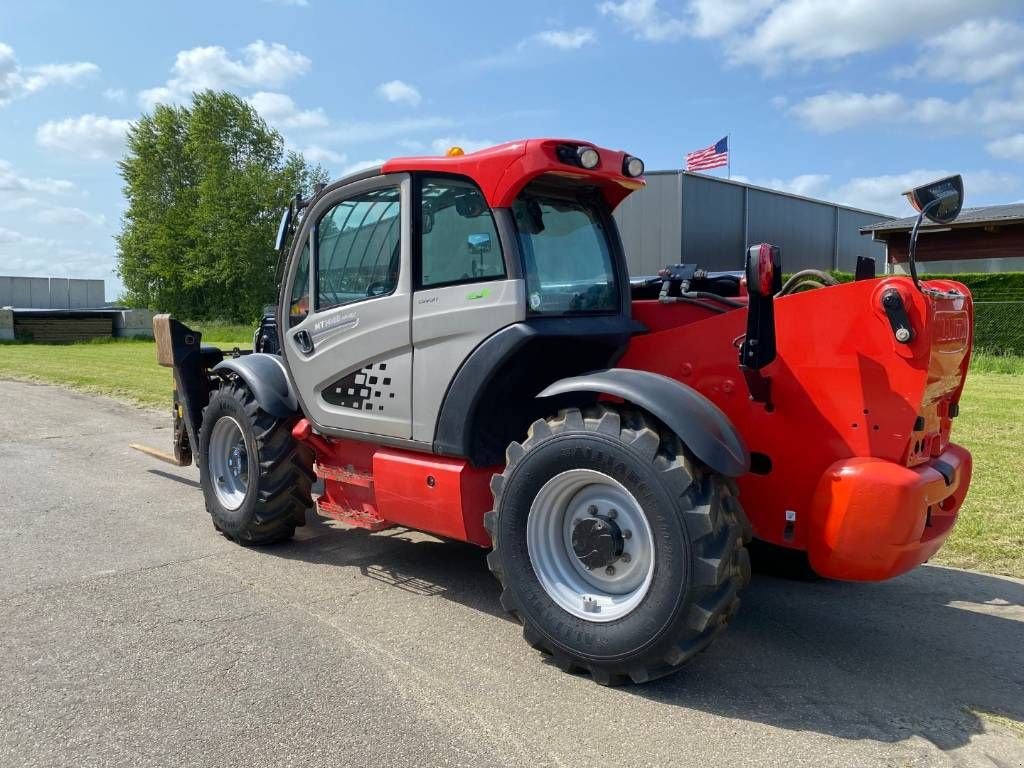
(367, 519)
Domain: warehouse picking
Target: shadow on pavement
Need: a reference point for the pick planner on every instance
(921, 655)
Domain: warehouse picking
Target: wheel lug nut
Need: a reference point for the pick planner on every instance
(627, 534)
(626, 557)
(592, 510)
(612, 513)
(610, 570)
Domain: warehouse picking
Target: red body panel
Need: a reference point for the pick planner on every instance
(842, 388)
(502, 171)
(375, 488)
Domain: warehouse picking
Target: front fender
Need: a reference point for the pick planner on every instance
(265, 377)
(698, 422)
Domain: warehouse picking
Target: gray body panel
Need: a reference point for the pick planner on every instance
(448, 323)
(698, 422)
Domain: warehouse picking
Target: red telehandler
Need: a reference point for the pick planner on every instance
(459, 350)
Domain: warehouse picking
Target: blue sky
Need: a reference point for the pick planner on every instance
(850, 101)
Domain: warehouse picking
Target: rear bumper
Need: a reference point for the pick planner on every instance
(873, 519)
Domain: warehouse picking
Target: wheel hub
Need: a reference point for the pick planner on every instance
(590, 545)
(597, 542)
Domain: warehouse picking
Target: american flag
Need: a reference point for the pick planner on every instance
(714, 156)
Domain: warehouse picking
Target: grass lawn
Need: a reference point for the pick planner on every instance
(989, 535)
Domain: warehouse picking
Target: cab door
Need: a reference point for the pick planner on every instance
(347, 345)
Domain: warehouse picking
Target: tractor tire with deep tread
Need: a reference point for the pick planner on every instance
(699, 533)
(277, 491)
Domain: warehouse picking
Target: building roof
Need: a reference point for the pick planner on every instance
(969, 217)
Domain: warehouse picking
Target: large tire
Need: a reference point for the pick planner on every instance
(696, 525)
(252, 501)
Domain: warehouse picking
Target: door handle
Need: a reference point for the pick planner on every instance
(305, 342)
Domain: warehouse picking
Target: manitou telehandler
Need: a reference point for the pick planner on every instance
(457, 348)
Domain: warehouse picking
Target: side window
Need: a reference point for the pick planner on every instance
(458, 240)
(358, 253)
(298, 304)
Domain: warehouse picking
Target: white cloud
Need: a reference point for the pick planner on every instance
(93, 137)
(883, 194)
(289, 3)
(974, 51)
(645, 20)
(314, 153)
(988, 110)
(566, 39)
(17, 81)
(443, 144)
(75, 217)
(818, 30)
(839, 110)
(117, 95)
(716, 18)
(280, 110)
(399, 92)
(362, 165)
(261, 65)
(10, 181)
(1009, 148)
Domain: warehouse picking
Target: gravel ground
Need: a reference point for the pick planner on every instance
(133, 635)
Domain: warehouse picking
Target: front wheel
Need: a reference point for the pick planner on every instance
(618, 551)
(256, 477)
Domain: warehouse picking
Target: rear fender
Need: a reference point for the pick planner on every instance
(265, 376)
(698, 422)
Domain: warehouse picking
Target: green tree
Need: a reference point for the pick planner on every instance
(206, 185)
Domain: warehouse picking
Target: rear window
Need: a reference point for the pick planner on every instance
(566, 254)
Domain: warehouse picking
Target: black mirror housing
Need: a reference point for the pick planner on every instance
(940, 201)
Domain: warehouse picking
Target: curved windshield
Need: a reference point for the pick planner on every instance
(566, 255)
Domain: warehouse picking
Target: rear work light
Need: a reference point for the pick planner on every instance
(588, 157)
(632, 166)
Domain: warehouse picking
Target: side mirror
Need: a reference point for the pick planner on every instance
(282, 229)
(479, 243)
(940, 201)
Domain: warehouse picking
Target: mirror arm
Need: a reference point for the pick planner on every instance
(912, 249)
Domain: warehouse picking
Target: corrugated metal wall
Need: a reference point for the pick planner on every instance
(700, 219)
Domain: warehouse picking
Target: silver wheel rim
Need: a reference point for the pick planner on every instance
(599, 594)
(228, 462)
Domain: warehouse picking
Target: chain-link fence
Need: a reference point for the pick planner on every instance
(999, 326)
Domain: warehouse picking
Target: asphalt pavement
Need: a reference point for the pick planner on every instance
(131, 634)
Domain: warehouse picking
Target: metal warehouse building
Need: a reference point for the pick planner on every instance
(692, 218)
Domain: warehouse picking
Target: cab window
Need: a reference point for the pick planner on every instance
(298, 304)
(358, 253)
(566, 254)
(458, 239)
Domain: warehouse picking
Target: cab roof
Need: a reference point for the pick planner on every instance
(502, 171)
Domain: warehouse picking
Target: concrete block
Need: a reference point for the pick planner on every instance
(95, 295)
(6, 325)
(59, 293)
(134, 323)
(6, 291)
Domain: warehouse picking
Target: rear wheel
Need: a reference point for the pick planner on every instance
(256, 477)
(618, 551)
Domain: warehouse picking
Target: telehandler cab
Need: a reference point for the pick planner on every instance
(457, 348)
